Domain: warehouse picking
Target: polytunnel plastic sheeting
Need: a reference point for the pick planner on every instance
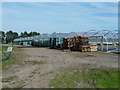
(112, 34)
(91, 33)
(45, 36)
(73, 34)
(62, 35)
(96, 33)
(109, 35)
(88, 33)
(41, 36)
(53, 35)
(112, 37)
(80, 33)
(105, 33)
(57, 35)
(35, 37)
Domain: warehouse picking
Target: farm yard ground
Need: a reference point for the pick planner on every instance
(31, 67)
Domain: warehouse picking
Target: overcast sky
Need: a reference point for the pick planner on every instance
(48, 17)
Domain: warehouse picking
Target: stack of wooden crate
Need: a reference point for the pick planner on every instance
(83, 43)
(80, 43)
(93, 47)
(70, 42)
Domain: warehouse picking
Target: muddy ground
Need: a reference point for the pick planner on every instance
(40, 65)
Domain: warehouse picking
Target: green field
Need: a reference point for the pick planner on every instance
(87, 78)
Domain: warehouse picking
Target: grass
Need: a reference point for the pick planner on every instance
(87, 79)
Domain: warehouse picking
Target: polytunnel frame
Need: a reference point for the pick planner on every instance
(109, 31)
(103, 37)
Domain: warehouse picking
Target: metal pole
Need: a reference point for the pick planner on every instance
(107, 46)
(96, 40)
(102, 43)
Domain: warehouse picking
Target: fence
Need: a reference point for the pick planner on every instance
(5, 52)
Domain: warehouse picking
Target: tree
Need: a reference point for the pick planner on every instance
(10, 36)
(24, 34)
(2, 35)
(21, 35)
(33, 34)
(15, 35)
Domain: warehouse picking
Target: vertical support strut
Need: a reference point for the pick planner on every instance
(102, 40)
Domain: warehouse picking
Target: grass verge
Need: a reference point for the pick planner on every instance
(12, 60)
(87, 79)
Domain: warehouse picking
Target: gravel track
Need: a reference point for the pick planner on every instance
(43, 64)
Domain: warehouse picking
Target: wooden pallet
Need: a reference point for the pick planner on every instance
(93, 48)
(79, 43)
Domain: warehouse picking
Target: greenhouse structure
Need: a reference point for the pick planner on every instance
(107, 40)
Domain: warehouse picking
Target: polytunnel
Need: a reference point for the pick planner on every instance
(41, 40)
(107, 40)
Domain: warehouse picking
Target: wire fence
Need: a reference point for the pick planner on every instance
(5, 52)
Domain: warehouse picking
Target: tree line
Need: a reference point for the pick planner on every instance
(10, 35)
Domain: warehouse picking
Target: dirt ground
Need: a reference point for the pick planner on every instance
(40, 65)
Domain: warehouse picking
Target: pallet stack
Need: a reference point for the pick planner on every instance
(70, 42)
(83, 43)
(93, 47)
(80, 43)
